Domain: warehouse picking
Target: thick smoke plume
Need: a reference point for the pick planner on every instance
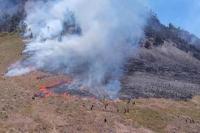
(87, 39)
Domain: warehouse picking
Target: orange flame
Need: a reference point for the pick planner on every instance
(53, 82)
(47, 93)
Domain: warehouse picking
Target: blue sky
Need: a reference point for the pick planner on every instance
(183, 13)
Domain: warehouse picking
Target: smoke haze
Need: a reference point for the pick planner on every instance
(9, 7)
(86, 39)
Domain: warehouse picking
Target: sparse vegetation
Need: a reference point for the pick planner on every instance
(167, 68)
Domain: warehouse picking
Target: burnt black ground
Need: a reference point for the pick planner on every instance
(162, 72)
(167, 64)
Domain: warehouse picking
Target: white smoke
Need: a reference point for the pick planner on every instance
(87, 39)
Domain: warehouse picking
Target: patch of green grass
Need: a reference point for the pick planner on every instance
(3, 115)
(191, 112)
(149, 118)
(11, 46)
(27, 110)
(157, 119)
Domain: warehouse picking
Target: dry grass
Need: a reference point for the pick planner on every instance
(159, 114)
(162, 72)
(11, 47)
(19, 113)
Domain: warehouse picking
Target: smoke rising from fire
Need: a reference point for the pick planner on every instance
(89, 40)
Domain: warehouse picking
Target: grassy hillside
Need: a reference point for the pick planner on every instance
(20, 113)
(167, 64)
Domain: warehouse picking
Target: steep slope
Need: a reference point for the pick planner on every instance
(167, 64)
